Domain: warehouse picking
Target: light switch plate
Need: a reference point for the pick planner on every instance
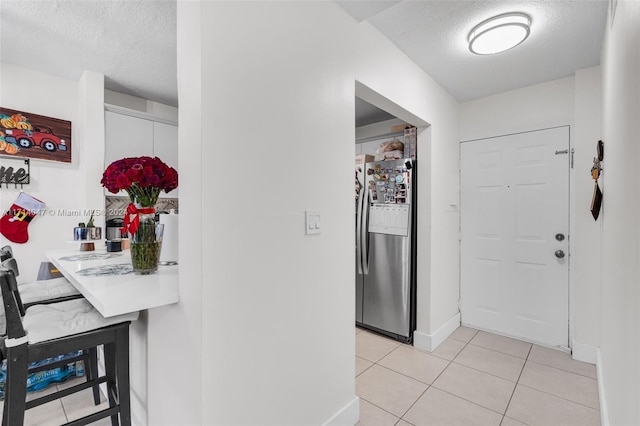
(312, 222)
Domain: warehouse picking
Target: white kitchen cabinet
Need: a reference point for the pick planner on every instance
(126, 136)
(165, 147)
(134, 134)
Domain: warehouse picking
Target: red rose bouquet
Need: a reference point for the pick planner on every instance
(142, 177)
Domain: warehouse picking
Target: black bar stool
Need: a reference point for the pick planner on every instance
(47, 291)
(6, 252)
(50, 330)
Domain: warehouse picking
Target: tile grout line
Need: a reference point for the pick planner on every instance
(469, 401)
(386, 355)
(371, 362)
(562, 369)
(64, 410)
(428, 385)
(517, 383)
(377, 406)
(452, 361)
(403, 420)
(402, 374)
(548, 393)
(561, 397)
(449, 362)
(438, 376)
(382, 366)
(527, 357)
(502, 353)
(485, 372)
(397, 345)
(414, 403)
(457, 355)
(516, 386)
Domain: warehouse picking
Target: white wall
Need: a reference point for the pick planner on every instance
(529, 108)
(277, 306)
(573, 101)
(71, 186)
(586, 234)
(620, 342)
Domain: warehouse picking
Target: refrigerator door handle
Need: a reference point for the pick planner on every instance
(364, 232)
(359, 231)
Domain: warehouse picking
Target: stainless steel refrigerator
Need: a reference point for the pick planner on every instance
(386, 247)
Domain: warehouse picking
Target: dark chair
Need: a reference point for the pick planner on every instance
(47, 331)
(48, 291)
(57, 288)
(6, 253)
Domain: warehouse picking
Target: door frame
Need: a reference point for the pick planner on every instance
(423, 205)
(571, 218)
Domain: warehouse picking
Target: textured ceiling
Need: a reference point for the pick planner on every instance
(566, 35)
(133, 42)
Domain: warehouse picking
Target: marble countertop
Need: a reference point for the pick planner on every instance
(109, 284)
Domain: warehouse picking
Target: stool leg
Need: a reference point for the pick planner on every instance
(122, 356)
(15, 386)
(93, 373)
(110, 372)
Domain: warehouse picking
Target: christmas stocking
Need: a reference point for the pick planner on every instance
(14, 223)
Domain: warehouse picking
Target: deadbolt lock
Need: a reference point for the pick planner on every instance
(560, 237)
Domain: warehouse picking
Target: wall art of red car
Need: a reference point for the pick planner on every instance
(41, 136)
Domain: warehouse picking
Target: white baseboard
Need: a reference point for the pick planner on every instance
(584, 353)
(604, 413)
(429, 342)
(348, 415)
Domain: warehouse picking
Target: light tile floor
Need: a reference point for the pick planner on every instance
(64, 410)
(473, 378)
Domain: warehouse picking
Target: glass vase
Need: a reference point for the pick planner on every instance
(145, 244)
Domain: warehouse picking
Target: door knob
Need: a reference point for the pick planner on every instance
(559, 254)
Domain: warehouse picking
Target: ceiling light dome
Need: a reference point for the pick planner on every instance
(499, 33)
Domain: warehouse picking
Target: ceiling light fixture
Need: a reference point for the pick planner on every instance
(499, 33)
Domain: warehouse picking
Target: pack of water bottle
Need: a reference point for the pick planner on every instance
(42, 379)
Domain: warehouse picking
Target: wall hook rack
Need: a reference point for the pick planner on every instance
(15, 176)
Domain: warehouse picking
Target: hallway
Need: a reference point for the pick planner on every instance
(473, 378)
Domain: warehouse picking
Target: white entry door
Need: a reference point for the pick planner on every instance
(514, 216)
